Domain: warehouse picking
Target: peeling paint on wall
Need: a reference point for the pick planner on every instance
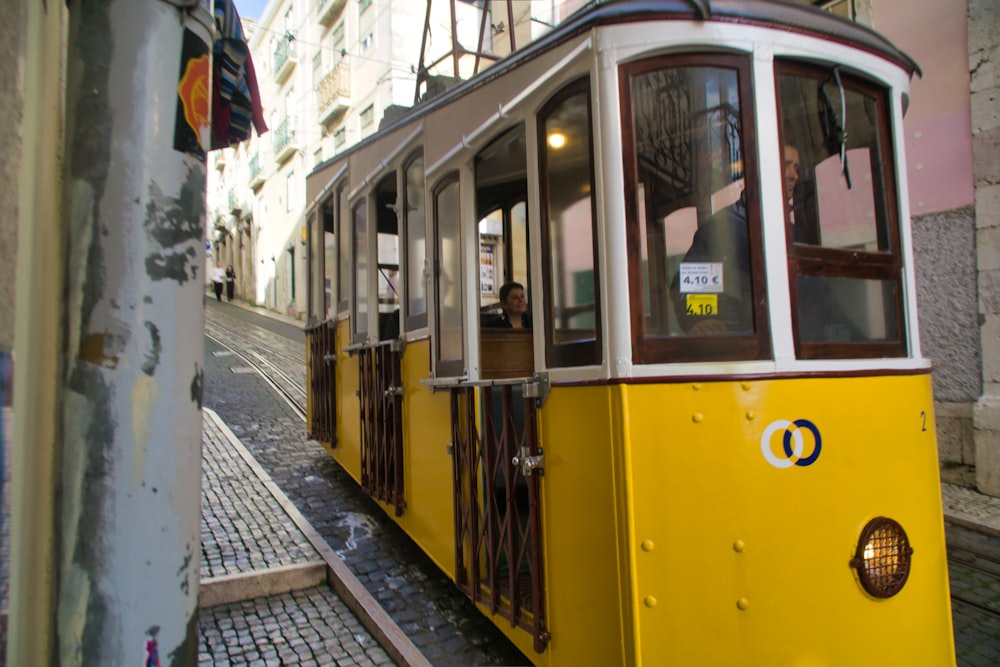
(197, 385)
(144, 394)
(155, 349)
(174, 229)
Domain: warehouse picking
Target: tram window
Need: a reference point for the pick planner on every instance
(344, 259)
(415, 285)
(844, 263)
(695, 256)
(359, 216)
(501, 190)
(329, 260)
(836, 196)
(388, 280)
(448, 278)
(570, 286)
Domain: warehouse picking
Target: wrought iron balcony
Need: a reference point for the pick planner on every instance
(327, 11)
(284, 58)
(256, 174)
(285, 143)
(333, 93)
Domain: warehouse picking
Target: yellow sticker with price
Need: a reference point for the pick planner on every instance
(702, 304)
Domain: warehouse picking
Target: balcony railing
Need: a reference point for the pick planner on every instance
(327, 11)
(284, 58)
(284, 139)
(333, 94)
(256, 175)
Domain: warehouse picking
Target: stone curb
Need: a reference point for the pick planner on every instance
(354, 594)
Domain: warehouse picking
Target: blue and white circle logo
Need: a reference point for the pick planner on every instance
(796, 449)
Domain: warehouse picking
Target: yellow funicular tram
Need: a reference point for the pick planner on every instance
(716, 443)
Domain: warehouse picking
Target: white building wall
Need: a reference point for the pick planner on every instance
(381, 47)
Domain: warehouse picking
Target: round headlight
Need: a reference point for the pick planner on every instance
(883, 557)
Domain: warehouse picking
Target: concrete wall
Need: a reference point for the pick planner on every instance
(944, 244)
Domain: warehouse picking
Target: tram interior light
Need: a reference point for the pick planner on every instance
(882, 558)
(557, 140)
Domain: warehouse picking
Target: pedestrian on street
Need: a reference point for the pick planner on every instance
(218, 277)
(230, 282)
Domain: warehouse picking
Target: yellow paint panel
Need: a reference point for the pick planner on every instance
(582, 528)
(427, 464)
(347, 451)
(746, 562)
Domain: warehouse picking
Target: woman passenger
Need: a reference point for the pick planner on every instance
(515, 308)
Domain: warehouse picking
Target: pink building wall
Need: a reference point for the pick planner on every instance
(938, 123)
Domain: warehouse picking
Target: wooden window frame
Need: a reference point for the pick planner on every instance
(412, 321)
(820, 261)
(583, 352)
(695, 348)
(450, 367)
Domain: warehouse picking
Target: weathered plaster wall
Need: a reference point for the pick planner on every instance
(945, 245)
(12, 30)
(946, 298)
(984, 66)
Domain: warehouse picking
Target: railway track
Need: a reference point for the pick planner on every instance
(279, 361)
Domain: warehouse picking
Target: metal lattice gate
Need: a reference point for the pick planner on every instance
(322, 383)
(382, 424)
(497, 520)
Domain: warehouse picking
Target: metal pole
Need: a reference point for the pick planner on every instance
(137, 106)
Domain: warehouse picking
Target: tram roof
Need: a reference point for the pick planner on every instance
(798, 18)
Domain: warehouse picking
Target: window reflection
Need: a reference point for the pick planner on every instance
(565, 143)
(449, 272)
(694, 243)
(416, 247)
(838, 199)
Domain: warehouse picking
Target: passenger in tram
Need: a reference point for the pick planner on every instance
(800, 202)
(515, 313)
(712, 291)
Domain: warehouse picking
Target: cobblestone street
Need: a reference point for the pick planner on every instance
(425, 604)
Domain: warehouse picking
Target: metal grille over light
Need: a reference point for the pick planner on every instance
(882, 558)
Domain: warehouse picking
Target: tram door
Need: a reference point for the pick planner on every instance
(498, 551)
(379, 364)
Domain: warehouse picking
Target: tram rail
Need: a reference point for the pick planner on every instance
(271, 362)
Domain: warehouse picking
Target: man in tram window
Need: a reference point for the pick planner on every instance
(801, 197)
(515, 313)
(711, 291)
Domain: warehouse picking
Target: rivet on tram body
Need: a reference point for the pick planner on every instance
(649, 601)
(647, 545)
(742, 603)
(746, 386)
(696, 386)
(750, 415)
(697, 417)
(739, 546)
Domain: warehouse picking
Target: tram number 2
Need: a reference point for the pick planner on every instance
(702, 304)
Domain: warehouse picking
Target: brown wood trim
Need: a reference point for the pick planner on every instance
(419, 320)
(743, 377)
(450, 367)
(816, 260)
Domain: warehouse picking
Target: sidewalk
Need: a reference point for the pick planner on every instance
(969, 509)
(271, 588)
